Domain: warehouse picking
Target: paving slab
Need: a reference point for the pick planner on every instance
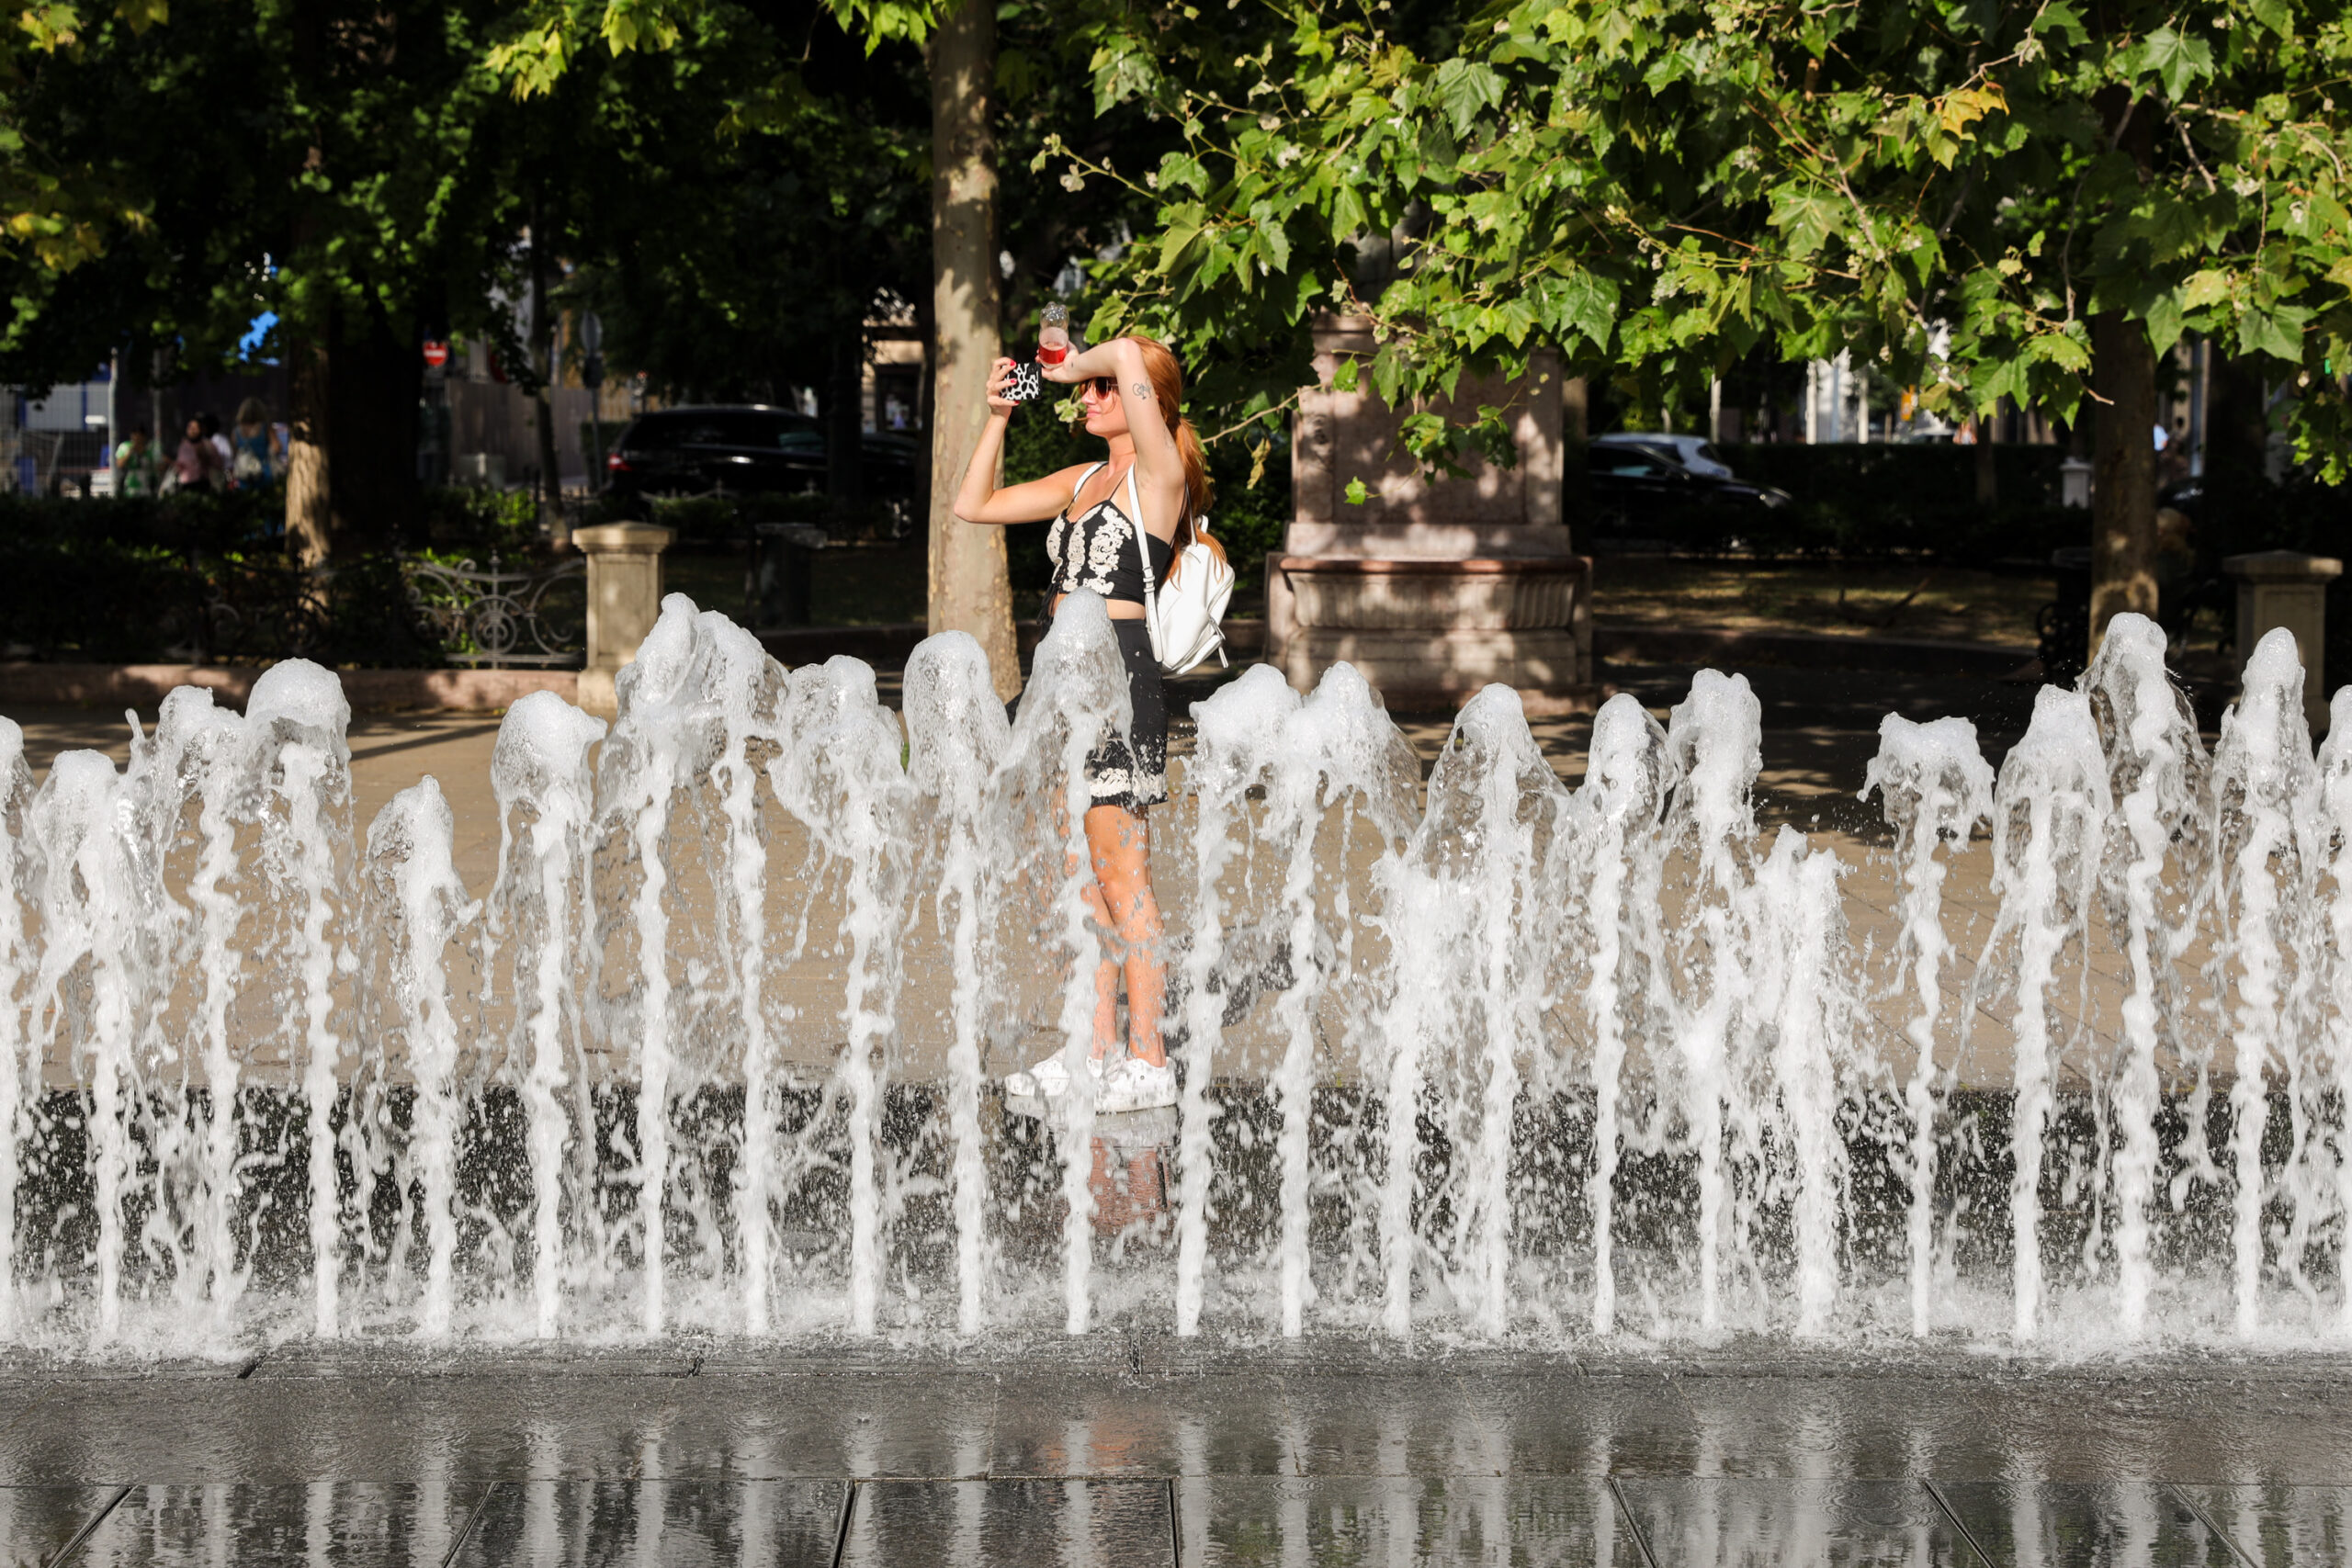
(327, 1524)
(1012, 1524)
(564, 1524)
(2278, 1527)
(2072, 1525)
(293, 1432)
(37, 1523)
(1634, 1424)
(1383, 1426)
(851, 1423)
(1738, 1523)
(1816, 1428)
(1347, 1521)
(2095, 1429)
(1165, 1427)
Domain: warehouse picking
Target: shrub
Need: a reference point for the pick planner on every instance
(475, 521)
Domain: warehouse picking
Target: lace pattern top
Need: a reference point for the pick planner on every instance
(1095, 551)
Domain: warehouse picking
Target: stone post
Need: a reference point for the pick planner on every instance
(2285, 588)
(624, 600)
(1432, 587)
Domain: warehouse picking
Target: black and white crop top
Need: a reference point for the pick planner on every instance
(1095, 552)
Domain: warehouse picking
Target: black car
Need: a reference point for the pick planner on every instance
(1640, 492)
(747, 448)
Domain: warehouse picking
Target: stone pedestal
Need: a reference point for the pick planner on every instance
(624, 562)
(1433, 587)
(2284, 588)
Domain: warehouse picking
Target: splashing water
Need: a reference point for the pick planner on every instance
(716, 1048)
(1935, 787)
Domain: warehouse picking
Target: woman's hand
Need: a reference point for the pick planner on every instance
(999, 378)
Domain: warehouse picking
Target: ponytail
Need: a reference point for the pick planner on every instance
(1199, 493)
(1168, 387)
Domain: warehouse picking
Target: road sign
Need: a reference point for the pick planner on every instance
(436, 352)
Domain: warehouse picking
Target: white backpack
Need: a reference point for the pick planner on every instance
(1183, 619)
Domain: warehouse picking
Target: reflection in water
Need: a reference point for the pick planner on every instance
(1329, 1522)
(1130, 1182)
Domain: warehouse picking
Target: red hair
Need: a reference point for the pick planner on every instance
(1168, 388)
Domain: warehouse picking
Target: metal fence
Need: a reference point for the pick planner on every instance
(28, 460)
(502, 618)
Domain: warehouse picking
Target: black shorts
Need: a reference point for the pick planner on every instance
(1131, 770)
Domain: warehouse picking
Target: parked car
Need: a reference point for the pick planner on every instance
(1639, 493)
(745, 448)
(1695, 452)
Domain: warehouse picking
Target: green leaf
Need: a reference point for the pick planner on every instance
(1356, 495)
(2204, 290)
(1804, 217)
(1462, 89)
(1589, 304)
(2277, 331)
(2173, 58)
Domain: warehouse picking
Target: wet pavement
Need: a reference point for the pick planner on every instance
(1128, 1449)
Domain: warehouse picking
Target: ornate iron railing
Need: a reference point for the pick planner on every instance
(501, 617)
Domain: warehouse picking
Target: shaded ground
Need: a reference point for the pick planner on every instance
(854, 585)
(1942, 602)
(874, 585)
(1121, 1449)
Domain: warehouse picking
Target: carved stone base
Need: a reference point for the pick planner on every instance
(1430, 633)
(1431, 669)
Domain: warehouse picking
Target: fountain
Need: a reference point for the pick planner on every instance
(1482, 1059)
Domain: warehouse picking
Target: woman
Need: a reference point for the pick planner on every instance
(196, 465)
(1152, 486)
(250, 467)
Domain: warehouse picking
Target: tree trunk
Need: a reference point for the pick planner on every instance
(2123, 374)
(310, 490)
(2237, 425)
(165, 399)
(542, 404)
(375, 377)
(969, 589)
(351, 465)
(1988, 473)
(2123, 479)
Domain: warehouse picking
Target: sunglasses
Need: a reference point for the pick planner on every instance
(1101, 386)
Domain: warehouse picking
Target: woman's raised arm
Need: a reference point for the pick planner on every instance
(1159, 466)
(978, 499)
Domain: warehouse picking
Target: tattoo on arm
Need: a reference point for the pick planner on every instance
(1140, 391)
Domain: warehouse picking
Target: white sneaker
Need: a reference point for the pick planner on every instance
(1136, 1084)
(1049, 1079)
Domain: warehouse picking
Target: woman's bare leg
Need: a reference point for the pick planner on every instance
(1120, 842)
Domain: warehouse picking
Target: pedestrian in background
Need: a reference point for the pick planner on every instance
(138, 467)
(210, 423)
(251, 463)
(197, 465)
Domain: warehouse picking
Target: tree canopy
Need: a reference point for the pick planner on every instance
(1951, 189)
